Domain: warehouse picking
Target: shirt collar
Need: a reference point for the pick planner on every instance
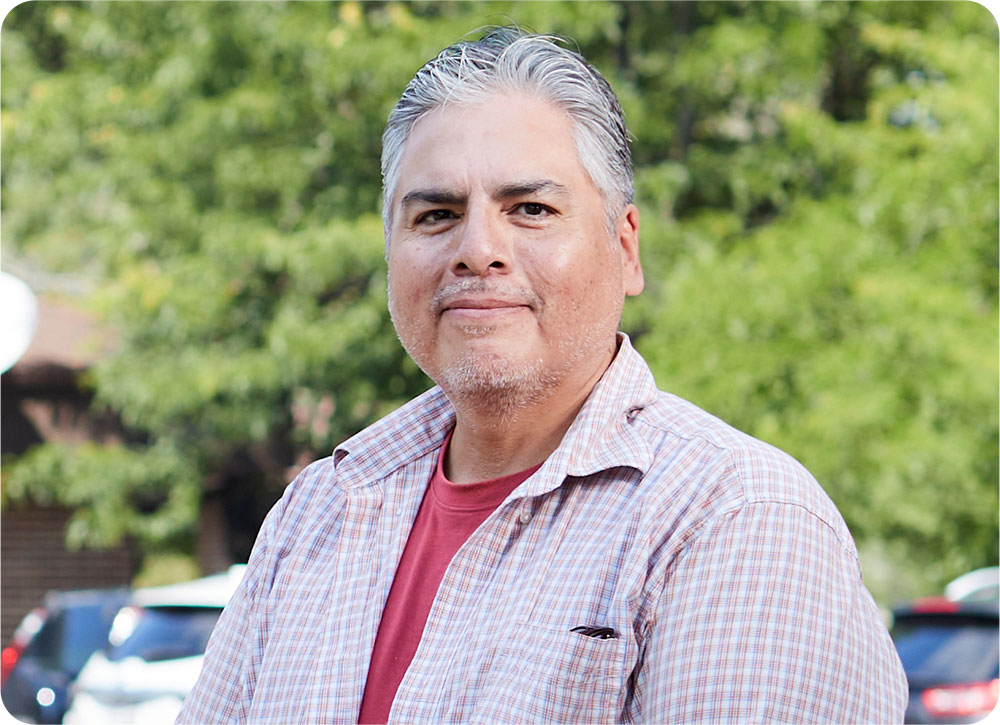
(600, 437)
(417, 428)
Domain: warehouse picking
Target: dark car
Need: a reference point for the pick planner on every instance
(951, 653)
(156, 649)
(50, 646)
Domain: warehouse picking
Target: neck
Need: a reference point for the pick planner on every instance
(497, 434)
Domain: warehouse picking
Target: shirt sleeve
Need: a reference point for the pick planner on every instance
(224, 689)
(764, 618)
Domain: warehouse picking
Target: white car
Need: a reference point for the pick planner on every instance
(156, 647)
(981, 585)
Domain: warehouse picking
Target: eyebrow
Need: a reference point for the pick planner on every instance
(433, 196)
(450, 197)
(524, 188)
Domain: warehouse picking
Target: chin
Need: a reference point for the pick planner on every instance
(489, 370)
(495, 380)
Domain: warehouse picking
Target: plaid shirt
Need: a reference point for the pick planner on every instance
(728, 575)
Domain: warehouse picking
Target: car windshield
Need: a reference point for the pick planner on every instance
(69, 637)
(161, 633)
(938, 650)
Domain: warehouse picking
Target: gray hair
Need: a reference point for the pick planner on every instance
(509, 60)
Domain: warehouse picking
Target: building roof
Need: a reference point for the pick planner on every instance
(67, 336)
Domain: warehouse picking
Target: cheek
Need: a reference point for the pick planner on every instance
(416, 259)
(584, 282)
(407, 295)
(406, 280)
(411, 290)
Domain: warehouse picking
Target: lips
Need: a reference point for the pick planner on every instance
(476, 298)
(481, 303)
(480, 311)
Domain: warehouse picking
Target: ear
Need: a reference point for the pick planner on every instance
(628, 246)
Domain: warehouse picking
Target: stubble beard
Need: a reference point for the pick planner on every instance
(481, 380)
(492, 382)
(496, 384)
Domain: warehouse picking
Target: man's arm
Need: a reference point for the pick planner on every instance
(225, 686)
(764, 618)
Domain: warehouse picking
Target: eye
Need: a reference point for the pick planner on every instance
(531, 208)
(435, 215)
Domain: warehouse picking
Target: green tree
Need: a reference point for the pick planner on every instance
(818, 186)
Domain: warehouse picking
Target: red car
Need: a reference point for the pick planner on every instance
(951, 653)
(49, 648)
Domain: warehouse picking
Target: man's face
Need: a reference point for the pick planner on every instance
(503, 275)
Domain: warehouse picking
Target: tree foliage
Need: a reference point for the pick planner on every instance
(818, 187)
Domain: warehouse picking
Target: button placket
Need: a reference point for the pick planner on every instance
(477, 555)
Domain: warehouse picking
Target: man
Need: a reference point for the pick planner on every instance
(545, 536)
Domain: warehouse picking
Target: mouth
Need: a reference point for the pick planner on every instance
(475, 302)
(482, 310)
(482, 304)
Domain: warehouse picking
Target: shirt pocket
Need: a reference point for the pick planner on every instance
(549, 674)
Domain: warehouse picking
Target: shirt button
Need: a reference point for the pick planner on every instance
(525, 516)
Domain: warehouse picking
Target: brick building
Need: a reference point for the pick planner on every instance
(41, 400)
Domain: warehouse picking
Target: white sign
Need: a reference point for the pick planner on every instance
(18, 318)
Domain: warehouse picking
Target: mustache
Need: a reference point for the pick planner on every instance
(484, 288)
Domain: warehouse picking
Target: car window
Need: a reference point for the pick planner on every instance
(161, 633)
(85, 630)
(936, 650)
(43, 648)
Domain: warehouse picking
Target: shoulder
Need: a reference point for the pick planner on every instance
(312, 496)
(713, 469)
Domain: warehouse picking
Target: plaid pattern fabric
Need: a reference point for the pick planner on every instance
(728, 575)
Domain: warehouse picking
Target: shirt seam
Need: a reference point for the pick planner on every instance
(733, 469)
(697, 529)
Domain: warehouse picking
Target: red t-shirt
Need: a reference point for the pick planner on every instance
(448, 515)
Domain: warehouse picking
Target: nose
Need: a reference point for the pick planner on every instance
(481, 245)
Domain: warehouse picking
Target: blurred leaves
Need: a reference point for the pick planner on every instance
(150, 494)
(818, 186)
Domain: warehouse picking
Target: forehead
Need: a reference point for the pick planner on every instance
(501, 139)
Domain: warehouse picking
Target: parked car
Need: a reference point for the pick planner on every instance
(979, 585)
(155, 649)
(49, 648)
(951, 653)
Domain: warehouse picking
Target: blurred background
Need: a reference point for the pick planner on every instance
(190, 191)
